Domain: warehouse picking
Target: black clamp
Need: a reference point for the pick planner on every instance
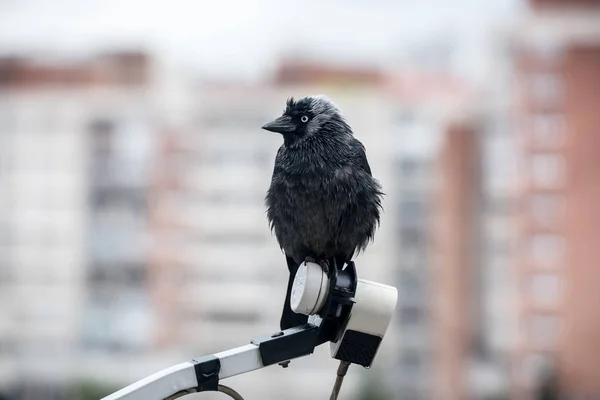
(288, 344)
(337, 307)
(302, 340)
(207, 373)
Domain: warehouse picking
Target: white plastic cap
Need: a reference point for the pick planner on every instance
(309, 290)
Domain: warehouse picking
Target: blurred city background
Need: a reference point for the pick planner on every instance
(133, 170)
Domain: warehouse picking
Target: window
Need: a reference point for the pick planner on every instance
(412, 255)
(546, 48)
(235, 237)
(6, 269)
(411, 288)
(497, 205)
(547, 248)
(409, 167)
(231, 317)
(102, 131)
(545, 289)
(406, 117)
(49, 121)
(412, 212)
(8, 122)
(547, 169)
(546, 208)
(545, 87)
(222, 118)
(411, 236)
(222, 157)
(543, 330)
(535, 365)
(410, 315)
(8, 346)
(547, 128)
(499, 159)
(7, 130)
(129, 329)
(411, 359)
(118, 235)
(124, 273)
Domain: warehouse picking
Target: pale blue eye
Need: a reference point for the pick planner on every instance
(304, 119)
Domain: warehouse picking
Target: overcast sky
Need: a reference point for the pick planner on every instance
(243, 37)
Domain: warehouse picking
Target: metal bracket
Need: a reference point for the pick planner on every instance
(204, 373)
(207, 373)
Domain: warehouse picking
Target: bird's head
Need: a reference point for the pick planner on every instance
(309, 117)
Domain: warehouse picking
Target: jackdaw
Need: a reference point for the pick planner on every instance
(323, 203)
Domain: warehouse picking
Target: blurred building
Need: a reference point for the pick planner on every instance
(120, 139)
(558, 61)
(470, 280)
(76, 155)
(471, 283)
(426, 102)
(578, 372)
(42, 212)
(420, 101)
(456, 265)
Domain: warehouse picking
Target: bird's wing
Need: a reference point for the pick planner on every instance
(270, 195)
(361, 158)
(276, 163)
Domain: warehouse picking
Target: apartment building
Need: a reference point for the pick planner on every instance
(76, 155)
(557, 62)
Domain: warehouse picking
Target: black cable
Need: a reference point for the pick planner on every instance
(341, 373)
(221, 388)
(230, 392)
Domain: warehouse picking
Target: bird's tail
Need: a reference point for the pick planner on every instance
(289, 318)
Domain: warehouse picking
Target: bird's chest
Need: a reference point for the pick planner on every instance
(308, 187)
(308, 198)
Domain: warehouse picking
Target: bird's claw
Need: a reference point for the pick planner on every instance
(325, 265)
(322, 263)
(310, 260)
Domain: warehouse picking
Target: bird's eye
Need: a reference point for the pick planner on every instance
(304, 119)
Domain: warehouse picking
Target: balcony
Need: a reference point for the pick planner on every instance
(113, 242)
(112, 171)
(243, 220)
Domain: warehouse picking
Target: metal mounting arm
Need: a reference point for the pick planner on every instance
(350, 313)
(204, 373)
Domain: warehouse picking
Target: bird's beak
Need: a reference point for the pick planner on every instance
(282, 125)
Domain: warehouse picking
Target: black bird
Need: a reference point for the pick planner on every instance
(323, 203)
